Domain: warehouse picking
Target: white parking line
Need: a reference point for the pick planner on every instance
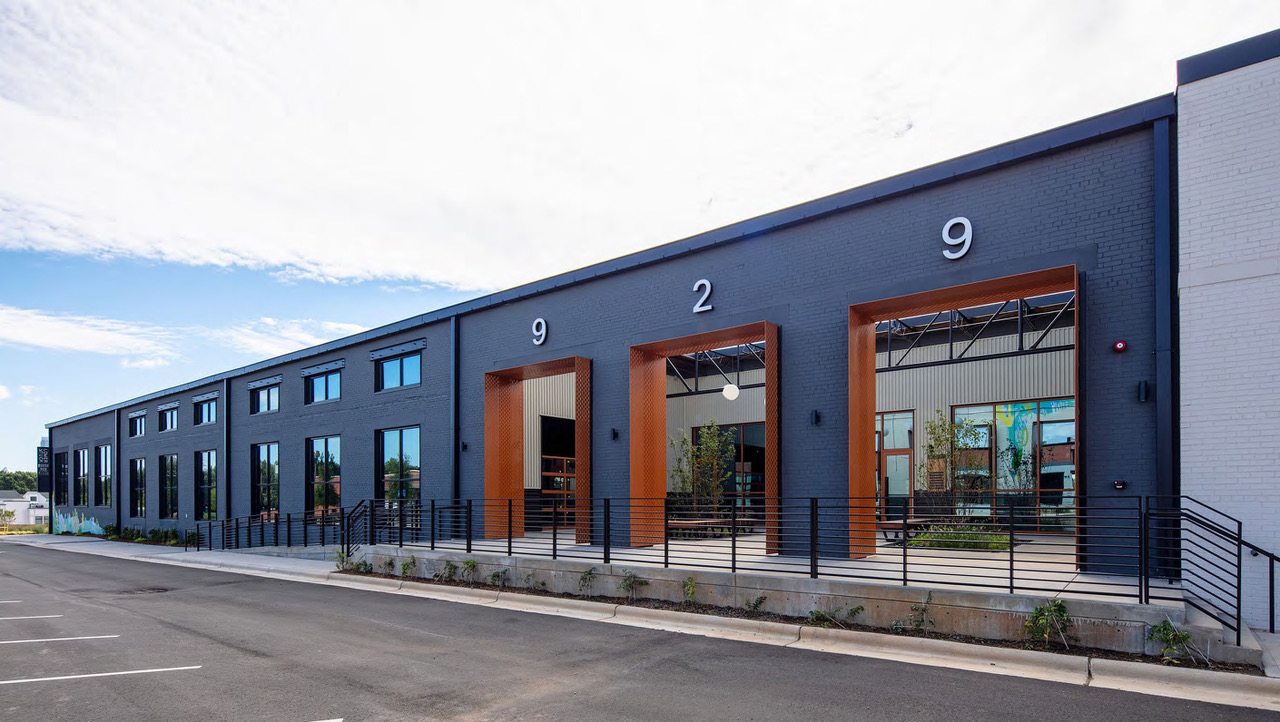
(99, 674)
(42, 616)
(57, 639)
(11, 601)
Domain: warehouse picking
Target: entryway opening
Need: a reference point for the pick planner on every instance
(537, 452)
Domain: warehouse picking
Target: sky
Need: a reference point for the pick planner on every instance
(188, 187)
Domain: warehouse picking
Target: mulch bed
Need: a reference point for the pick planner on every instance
(741, 613)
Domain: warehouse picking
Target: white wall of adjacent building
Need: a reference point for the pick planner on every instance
(1229, 303)
(32, 508)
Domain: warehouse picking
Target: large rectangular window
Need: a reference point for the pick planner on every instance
(206, 412)
(324, 474)
(265, 494)
(264, 399)
(168, 419)
(80, 487)
(1022, 457)
(399, 371)
(61, 478)
(206, 485)
(398, 465)
(137, 426)
(138, 488)
(324, 387)
(102, 476)
(169, 486)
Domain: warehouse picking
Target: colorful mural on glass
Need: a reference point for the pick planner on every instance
(76, 524)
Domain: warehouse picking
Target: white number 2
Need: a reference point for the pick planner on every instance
(705, 286)
(962, 240)
(539, 331)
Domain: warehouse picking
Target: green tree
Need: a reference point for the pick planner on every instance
(19, 481)
(701, 469)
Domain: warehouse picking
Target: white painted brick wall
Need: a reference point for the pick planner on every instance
(1229, 303)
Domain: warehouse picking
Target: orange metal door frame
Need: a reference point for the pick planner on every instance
(504, 444)
(648, 419)
(862, 372)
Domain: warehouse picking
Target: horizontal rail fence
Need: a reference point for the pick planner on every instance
(312, 528)
(1139, 548)
(1195, 556)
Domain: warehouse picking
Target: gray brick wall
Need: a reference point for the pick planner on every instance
(1229, 298)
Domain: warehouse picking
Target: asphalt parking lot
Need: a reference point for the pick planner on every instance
(88, 637)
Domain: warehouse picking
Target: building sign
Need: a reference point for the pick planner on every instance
(44, 458)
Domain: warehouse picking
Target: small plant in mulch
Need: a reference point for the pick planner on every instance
(1175, 644)
(755, 604)
(469, 568)
(631, 583)
(499, 578)
(689, 588)
(586, 581)
(448, 572)
(1048, 623)
(407, 567)
(918, 621)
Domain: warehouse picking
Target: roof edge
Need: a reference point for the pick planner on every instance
(1237, 55)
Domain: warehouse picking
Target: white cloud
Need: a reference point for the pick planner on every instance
(4, 393)
(476, 147)
(32, 328)
(266, 337)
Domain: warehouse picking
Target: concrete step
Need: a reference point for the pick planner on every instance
(1217, 641)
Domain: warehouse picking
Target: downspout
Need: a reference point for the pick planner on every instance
(454, 423)
(1167, 481)
(226, 448)
(115, 471)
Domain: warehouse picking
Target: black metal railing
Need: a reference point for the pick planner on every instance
(1142, 549)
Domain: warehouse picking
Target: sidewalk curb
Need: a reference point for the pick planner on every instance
(1200, 684)
(707, 625)
(943, 653)
(1224, 688)
(575, 608)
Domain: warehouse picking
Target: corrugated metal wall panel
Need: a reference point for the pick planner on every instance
(548, 396)
(982, 381)
(686, 412)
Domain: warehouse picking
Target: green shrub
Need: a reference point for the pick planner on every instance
(962, 536)
(631, 583)
(1048, 622)
(755, 604)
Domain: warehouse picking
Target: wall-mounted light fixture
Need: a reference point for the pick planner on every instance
(1144, 391)
(615, 434)
(1119, 484)
(464, 446)
(815, 418)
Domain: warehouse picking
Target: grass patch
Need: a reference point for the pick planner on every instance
(962, 536)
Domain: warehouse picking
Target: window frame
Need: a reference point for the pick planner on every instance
(80, 478)
(256, 487)
(168, 420)
(205, 485)
(138, 426)
(332, 480)
(138, 488)
(401, 482)
(328, 377)
(255, 404)
(168, 484)
(102, 475)
(62, 478)
(199, 418)
(380, 367)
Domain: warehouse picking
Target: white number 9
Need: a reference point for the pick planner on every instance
(962, 240)
(539, 331)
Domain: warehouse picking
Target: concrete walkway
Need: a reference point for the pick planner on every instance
(1192, 684)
